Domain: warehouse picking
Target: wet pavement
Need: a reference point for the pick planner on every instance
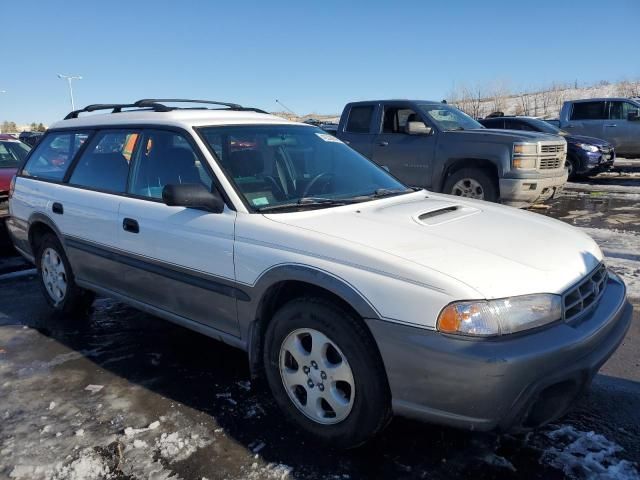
(124, 395)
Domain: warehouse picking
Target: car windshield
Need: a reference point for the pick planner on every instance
(291, 167)
(447, 117)
(544, 127)
(12, 153)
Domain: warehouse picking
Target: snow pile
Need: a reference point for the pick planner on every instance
(586, 455)
(174, 448)
(88, 466)
(271, 471)
(130, 431)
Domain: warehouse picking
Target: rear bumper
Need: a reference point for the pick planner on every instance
(522, 192)
(510, 384)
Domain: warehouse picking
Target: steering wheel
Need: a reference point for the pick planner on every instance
(326, 175)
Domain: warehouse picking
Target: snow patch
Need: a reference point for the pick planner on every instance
(175, 448)
(586, 455)
(130, 431)
(94, 388)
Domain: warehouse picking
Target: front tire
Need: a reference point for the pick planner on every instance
(471, 183)
(57, 281)
(325, 372)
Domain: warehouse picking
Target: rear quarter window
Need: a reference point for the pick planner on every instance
(51, 158)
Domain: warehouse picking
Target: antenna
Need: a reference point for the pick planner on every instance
(286, 108)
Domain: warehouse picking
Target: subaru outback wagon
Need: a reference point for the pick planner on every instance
(354, 296)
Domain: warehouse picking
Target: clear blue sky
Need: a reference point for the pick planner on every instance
(312, 55)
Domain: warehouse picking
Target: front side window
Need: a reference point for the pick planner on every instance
(449, 118)
(395, 119)
(280, 167)
(104, 165)
(12, 153)
(165, 158)
(621, 110)
(53, 154)
(588, 111)
(360, 119)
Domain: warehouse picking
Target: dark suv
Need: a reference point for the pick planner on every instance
(585, 155)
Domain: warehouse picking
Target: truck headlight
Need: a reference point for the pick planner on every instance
(525, 148)
(524, 155)
(588, 148)
(486, 318)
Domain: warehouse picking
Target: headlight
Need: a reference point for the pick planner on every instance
(525, 148)
(500, 317)
(588, 148)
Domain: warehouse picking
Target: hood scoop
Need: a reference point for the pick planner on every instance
(444, 214)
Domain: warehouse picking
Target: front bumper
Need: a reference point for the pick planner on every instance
(506, 384)
(594, 162)
(523, 192)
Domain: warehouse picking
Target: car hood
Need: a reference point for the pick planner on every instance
(574, 139)
(6, 174)
(498, 251)
(497, 135)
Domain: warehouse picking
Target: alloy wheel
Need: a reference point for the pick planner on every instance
(468, 187)
(54, 275)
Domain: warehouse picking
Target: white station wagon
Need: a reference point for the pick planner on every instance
(354, 296)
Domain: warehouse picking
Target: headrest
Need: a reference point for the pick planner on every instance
(245, 163)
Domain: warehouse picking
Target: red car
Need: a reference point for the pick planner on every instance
(12, 153)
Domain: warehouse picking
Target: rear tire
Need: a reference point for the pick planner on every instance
(57, 281)
(317, 356)
(471, 183)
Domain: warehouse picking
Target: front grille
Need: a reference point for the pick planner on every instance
(552, 148)
(550, 163)
(586, 294)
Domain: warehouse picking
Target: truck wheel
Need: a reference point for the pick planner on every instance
(57, 281)
(325, 373)
(571, 168)
(471, 183)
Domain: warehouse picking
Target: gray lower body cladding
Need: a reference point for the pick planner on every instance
(506, 384)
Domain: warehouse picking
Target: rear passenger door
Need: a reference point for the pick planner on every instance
(588, 118)
(176, 259)
(358, 128)
(86, 208)
(623, 133)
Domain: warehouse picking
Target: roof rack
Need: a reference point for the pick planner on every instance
(156, 105)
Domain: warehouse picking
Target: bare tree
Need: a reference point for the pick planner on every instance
(524, 99)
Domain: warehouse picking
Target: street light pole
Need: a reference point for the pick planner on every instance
(68, 78)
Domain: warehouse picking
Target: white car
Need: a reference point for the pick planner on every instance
(355, 296)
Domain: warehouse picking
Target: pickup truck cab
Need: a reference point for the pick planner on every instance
(616, 120)
(436, 146)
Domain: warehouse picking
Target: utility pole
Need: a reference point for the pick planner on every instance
(68, 78)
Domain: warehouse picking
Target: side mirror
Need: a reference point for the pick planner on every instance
(417, 128)
(192, 195)
(633, 115)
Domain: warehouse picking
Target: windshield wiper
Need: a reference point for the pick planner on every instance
(304, 202)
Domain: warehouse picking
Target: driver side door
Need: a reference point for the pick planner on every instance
(175, 258)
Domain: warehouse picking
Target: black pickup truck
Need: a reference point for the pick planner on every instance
(436, 146)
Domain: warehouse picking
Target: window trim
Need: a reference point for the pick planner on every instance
(93, 129)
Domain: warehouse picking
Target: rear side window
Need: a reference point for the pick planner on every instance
(52, 156)
(360, 119)
(165, 158)
(104, 165)
(589, 111)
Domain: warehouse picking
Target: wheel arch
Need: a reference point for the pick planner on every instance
(39, 226)
(456, 164)
(286, 282)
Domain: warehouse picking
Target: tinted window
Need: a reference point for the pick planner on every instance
(360, 119)
(12, 153)
(519, 125)
(53, 155)
(588, 111)
(280, 164)
(395, 119)
(104, 165)
(493, 123)
(621, 110)
(165, 158)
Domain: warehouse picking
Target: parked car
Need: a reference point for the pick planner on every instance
(12, 153)
(585, 155)
(331, 128)
(616, 120)
(30, 138)
(354, 296)
(438, 147)
(552, 121)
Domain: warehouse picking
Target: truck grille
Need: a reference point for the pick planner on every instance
(550, 163)
(551, 148)
(586, 294)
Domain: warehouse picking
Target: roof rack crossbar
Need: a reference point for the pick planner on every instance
(157, 105)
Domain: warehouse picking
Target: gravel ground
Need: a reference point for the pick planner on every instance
(124, 395)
